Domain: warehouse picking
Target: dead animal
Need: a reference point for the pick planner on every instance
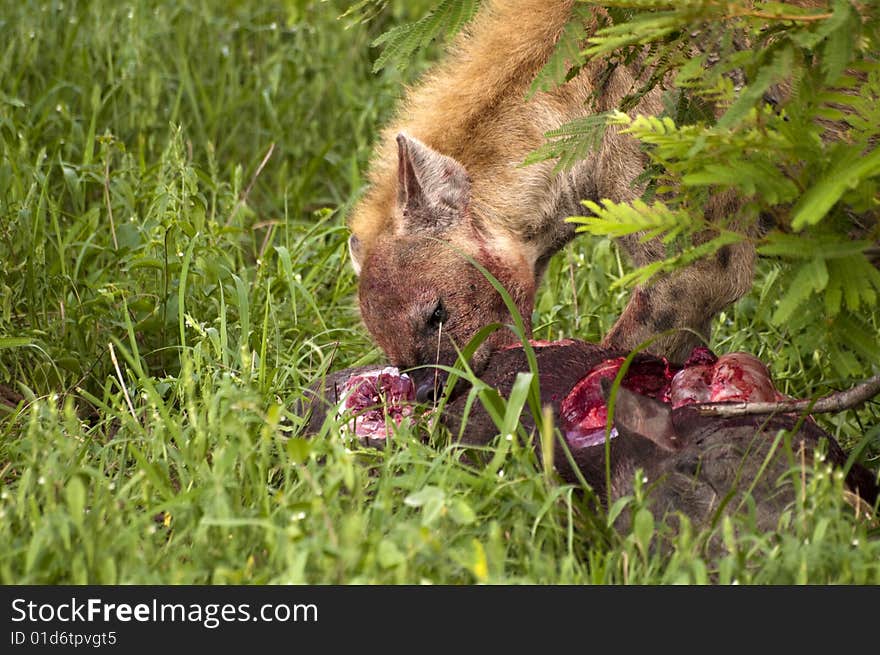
(694, 463)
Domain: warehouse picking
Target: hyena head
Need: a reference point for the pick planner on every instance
(419, 296)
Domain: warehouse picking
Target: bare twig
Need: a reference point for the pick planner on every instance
(122, 382)
(247, 191)
(834, 402)
(107, 202)
(437, 362)
(266, 239)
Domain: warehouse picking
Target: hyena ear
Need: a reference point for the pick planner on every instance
(434, 189)
(641, 416)
(355, 252)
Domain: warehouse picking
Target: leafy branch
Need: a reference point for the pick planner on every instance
(402, 41)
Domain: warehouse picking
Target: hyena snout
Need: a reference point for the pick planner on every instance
(430, 384)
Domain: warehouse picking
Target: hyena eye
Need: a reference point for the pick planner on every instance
(438, 316)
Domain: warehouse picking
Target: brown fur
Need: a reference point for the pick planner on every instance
(472, 109)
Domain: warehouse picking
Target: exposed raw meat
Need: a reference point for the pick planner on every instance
(741, 377)
(733, 377)
(371, 398)
(584, 413)
(691, 385)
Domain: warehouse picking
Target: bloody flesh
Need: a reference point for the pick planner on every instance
(584, 412)
(371, 398)
(703, 378)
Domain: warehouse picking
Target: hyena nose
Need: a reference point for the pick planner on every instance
(430, 390)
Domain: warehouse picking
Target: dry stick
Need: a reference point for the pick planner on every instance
(107, 202)
(270, 224)
(437, 361)
(122, 382)
(834, 402)
(247, 191)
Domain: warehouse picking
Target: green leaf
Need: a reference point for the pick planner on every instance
(152, 473)
(616, 508)
(567, 53)
(519, 394)
(829, 247)
(818, 273)
(845, 173)
(461, 512)
(615, 219)
(843, 361)
(859, 336)
(643, 28)
(778, 68)
(389, 554)
(423, 496)
(841, 30)
(403, 41)
(107, 574)
(363, 11)
(571, 142)
(14, 342)
(798, 291)
(750, 176)
(643, 528)
(75, 492)
(298, 449)
(834, 290)
(728, 534)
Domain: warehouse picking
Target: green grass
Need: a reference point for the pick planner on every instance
(167, 291)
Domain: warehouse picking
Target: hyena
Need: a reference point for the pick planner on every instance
(447, 181)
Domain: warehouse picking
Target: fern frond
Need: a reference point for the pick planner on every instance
(811, 277)
(790, 246)
(404, 40)
(776, 69)
(840, 33)
(849, 168)
(363, 11)
(615, 219)
(639, 30)
(571, 142)
(685, 258)
(753, 176)
(567, 57)
(843, 273)
(855, 102)
(858, 335)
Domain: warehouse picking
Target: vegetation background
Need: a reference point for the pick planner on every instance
(174, 178)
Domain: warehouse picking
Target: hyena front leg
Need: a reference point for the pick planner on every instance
(689, 298)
